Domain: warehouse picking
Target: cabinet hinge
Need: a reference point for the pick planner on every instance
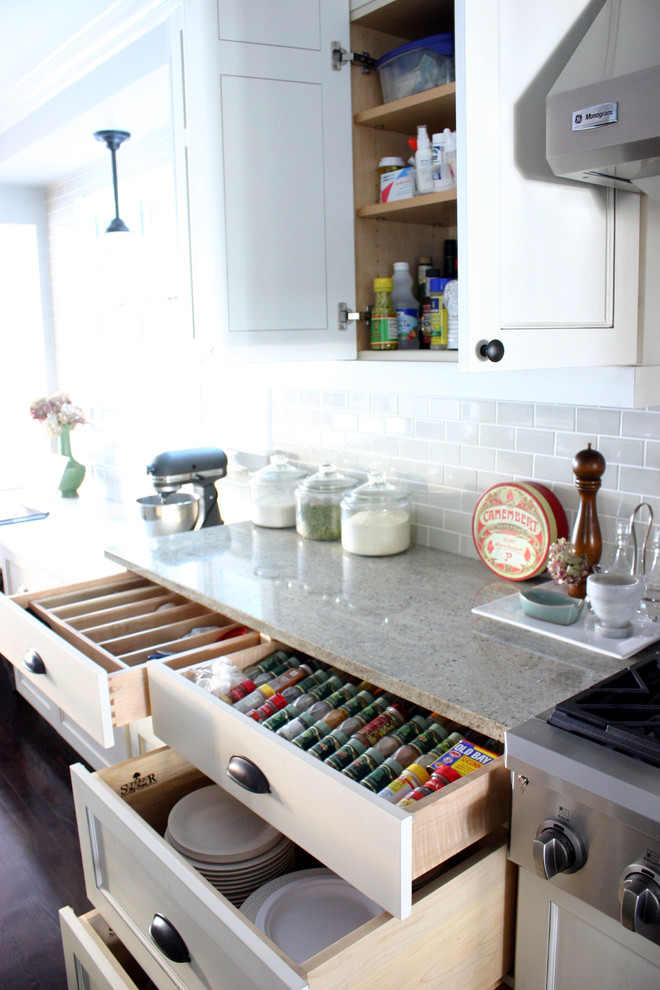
(345, 316)
(340, 57)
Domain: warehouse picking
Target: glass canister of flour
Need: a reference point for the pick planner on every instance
(272, 493)
(376, 518)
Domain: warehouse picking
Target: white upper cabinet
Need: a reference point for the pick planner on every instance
(269, 175)
(549, 267)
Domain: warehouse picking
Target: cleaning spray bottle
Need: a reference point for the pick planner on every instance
(423, 162)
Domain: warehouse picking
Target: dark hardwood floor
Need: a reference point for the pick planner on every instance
(40, 867)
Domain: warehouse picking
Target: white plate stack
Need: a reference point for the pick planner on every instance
(306, 911)
(232, 848)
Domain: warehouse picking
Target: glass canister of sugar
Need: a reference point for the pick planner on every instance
(376, 518)
(272, 493)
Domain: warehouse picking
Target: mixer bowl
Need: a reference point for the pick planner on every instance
(177, 513)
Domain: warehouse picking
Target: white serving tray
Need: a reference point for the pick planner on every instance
(581, 633)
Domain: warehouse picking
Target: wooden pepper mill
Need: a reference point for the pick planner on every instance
(588, 468)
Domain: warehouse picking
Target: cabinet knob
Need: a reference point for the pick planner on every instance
(639, 899)
(168, 939)
(247, 774)
(493, 350)
(557, 849)
(33, 662)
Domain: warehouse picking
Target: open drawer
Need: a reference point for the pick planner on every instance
(94, 957)
(459, 933)
(85, 646)
(376, 846)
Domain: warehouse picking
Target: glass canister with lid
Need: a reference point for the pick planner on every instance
(272, 493)
(376, 518)
(318, 512)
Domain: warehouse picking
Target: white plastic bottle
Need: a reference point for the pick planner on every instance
(444, 160)
(406, 307)
(423, 162)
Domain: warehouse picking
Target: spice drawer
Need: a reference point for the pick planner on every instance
(376, 846)
(132, 874)
(94, 957)
(85, 646)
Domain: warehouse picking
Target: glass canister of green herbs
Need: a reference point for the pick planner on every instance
(318, 512)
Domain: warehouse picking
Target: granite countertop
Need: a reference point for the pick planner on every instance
(403, 622)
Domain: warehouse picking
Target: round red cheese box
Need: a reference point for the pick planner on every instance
(513, 526)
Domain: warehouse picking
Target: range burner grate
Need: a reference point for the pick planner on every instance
(622, 712)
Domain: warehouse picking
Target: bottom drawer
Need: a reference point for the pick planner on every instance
(95, 959)
(460, 932)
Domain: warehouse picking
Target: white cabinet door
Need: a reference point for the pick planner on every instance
(269, 177)
(548, 266)
(564, 944)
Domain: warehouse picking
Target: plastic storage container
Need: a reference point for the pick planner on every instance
(375, 518)
(417, 66)
(272, 493)
(318, 513)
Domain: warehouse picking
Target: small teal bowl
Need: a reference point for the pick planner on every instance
(550, 606)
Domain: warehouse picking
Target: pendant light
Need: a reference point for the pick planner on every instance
(113, 140)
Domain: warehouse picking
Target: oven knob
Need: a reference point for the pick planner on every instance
(639, 898)
(557, 849)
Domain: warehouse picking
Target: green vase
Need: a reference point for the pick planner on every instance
(74, 472)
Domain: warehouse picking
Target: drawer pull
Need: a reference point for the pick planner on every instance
(168, 939)
(33, 662)
(247, 774)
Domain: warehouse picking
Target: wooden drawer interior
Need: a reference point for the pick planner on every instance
(120, 621)
(465, 905)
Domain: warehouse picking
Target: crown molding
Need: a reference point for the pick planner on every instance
(123, 22)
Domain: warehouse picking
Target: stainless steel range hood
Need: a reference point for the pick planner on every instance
(603, 113)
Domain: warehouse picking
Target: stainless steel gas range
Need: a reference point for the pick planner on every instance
(585, 830)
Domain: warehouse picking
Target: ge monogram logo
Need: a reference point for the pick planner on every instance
(578, 118)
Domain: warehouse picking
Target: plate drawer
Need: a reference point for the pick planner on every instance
(94, 957)
(85, 646)
(131, 873)
(374, 845)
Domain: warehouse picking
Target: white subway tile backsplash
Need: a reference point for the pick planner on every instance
(640, 424)
(535, 441)
(514, 464)
(639, 480)
(478, 411)
(448, 451)
(497, 436)
(598, 420)
(481, 458)
(620, 451)
(430, 429)
(415, 406)
(385, 403)
(445, 408)
(463, 433)
(515, 413)
(555, 417)
(358, 401)
(398, 426)
(652, 455)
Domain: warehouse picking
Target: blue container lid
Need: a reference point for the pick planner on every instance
(438, 284)
(442, 44)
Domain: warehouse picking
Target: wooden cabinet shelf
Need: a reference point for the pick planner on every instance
(431, 208)
(434, 107)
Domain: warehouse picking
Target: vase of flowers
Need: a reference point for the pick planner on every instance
(59, 417)
(565, 566)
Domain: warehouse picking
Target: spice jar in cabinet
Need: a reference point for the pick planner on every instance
(84, 648)
(133, 874)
